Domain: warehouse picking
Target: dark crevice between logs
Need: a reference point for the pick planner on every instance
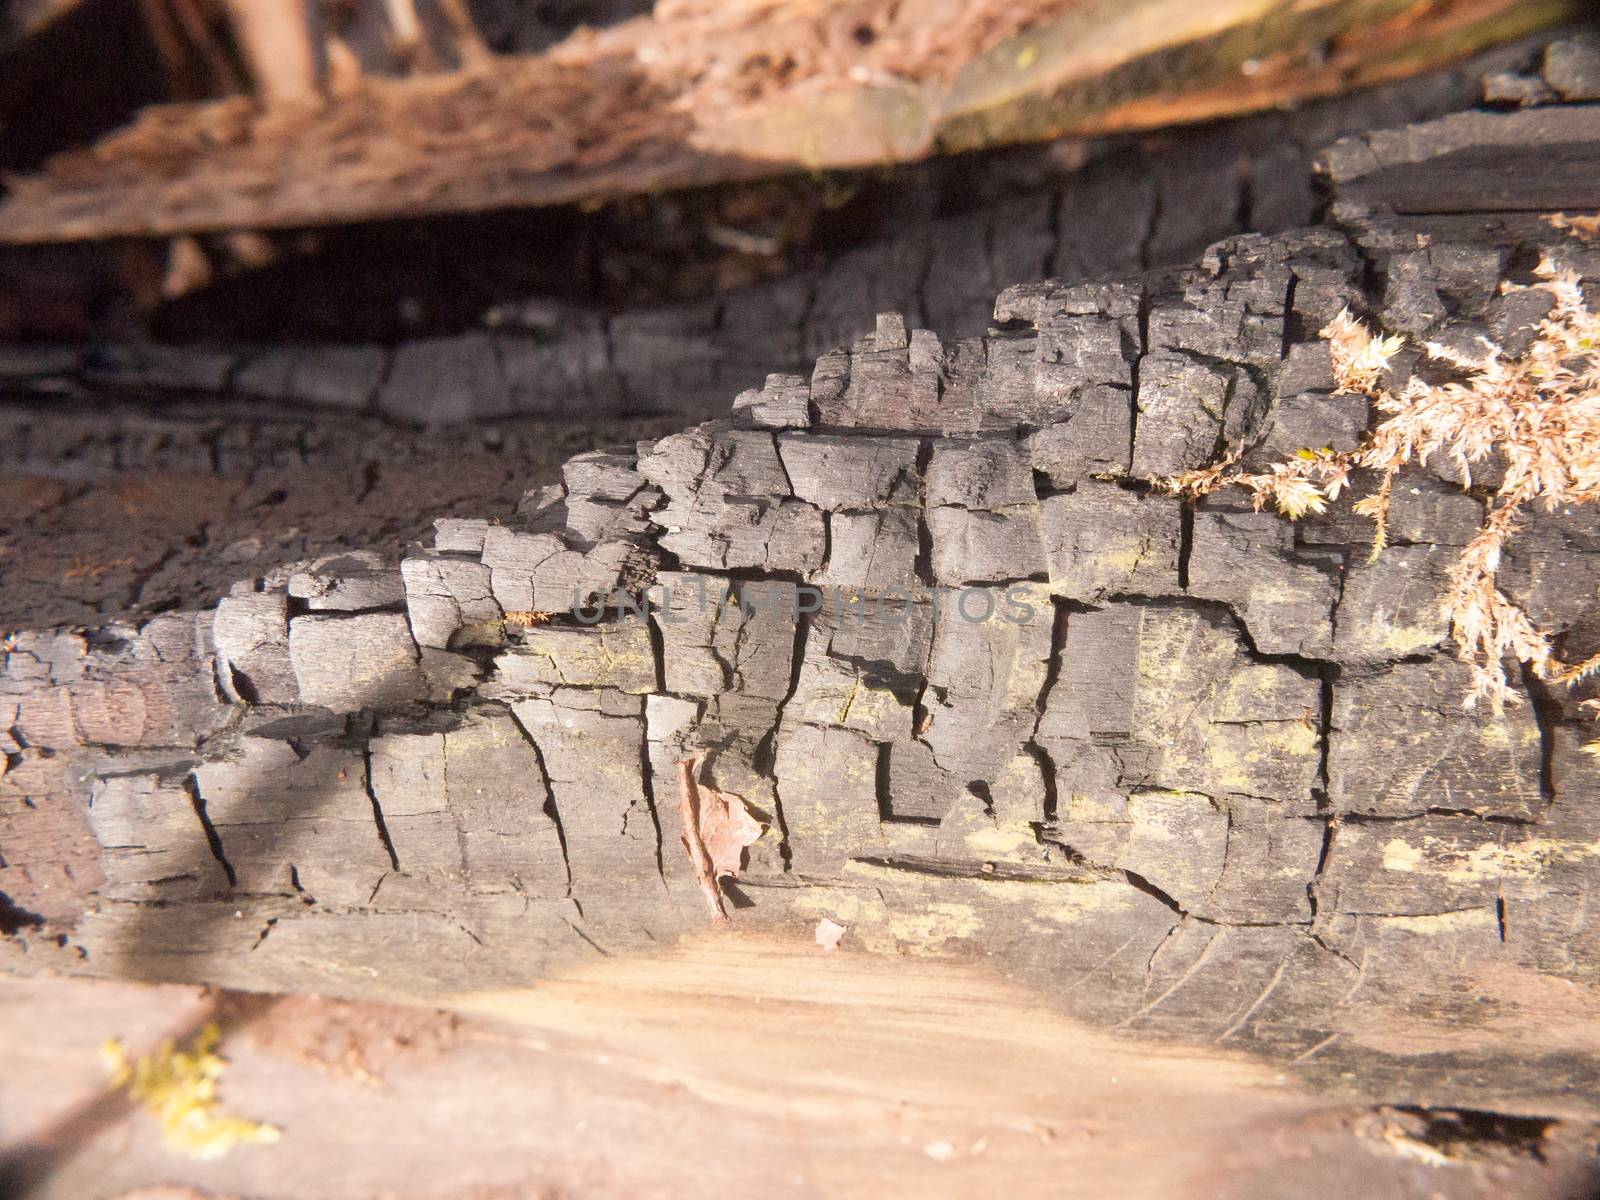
(1134, 365)
(1329, 829)
(765, 759)
(1546, 711)
(923, 563)
(658, 654)
(881, 786)
(1185, 542)
(648, 788)
(1047, 773)
(1323, 792)
(1288, 337)
(1063, 610)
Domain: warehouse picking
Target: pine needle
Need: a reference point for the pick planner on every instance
(1539, 412)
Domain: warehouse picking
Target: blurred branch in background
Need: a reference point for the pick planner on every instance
(22, 19)
(277, 40)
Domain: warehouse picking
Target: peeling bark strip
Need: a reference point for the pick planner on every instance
(689, 811)
(716, 829)
(691, 96)
(1203, 775)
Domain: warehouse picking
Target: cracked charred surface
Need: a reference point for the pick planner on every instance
(232, 455)
(1200, 775)
(113, 515)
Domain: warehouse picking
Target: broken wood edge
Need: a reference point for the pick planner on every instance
(210, 167)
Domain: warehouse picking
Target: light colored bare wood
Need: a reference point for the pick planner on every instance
(697, 94)
(725, 1065)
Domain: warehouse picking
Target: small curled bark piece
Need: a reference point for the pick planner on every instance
(716, 829)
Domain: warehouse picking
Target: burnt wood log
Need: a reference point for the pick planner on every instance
(1191, 773)
(1539, 158)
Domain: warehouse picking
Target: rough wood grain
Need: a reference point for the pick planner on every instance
(701, 94)
(593, 1082)
(1537, 159)
(1196, 774)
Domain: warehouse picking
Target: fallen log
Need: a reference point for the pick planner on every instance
(1194, 773)
(698, 95)
(1539, 159)
(141, 478)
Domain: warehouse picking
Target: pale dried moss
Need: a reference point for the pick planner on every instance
(1538, 411)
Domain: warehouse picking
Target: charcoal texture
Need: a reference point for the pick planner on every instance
(988, 686)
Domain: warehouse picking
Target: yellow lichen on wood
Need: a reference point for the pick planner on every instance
(1450, 861)
(179, 1089)
(927, 928)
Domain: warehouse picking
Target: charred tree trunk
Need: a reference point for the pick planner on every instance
(1192, 772)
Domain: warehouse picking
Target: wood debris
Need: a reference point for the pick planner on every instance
(700, 94)
(716, 829)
